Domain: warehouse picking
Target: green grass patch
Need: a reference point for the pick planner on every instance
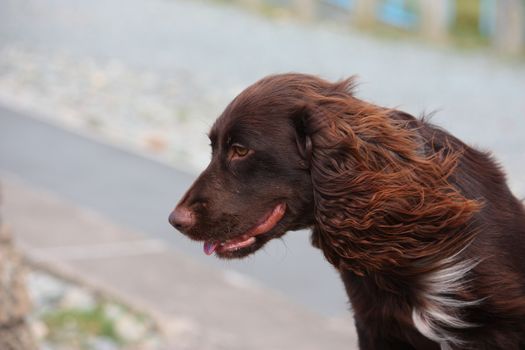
(78, 326)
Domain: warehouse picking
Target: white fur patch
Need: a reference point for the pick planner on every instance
(441, 309)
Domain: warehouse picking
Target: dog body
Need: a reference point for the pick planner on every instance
(426, 235)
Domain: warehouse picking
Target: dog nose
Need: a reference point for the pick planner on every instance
(182, 218)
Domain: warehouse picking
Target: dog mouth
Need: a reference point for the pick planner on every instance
(248, 239)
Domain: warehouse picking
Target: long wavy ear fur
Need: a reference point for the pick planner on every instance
(383, 197)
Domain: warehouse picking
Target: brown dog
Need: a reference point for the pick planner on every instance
(426, 235)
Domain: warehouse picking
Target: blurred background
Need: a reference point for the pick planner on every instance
(104, 110)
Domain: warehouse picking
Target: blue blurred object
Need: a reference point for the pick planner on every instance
(345, 4)
(486, 17)
(397, 13)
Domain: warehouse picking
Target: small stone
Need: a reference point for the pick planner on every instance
(78, 298)
(155, 143)
(130, 329)
(45, 290)
(39, 329)
(113, 311)
(102, 344)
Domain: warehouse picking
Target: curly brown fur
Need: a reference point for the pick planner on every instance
(423, 229)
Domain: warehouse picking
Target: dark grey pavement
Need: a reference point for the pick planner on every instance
(139, 193)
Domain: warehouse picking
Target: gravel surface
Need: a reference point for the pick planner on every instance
(132, 108)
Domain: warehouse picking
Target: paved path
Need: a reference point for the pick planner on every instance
(139, 193)
(197, 306)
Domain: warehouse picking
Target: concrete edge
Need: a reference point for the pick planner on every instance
(44, 263)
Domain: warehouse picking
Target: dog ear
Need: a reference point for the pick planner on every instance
(302, 137)
(314, 141)
(372, 190)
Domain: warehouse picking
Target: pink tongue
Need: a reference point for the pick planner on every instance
(209, 248)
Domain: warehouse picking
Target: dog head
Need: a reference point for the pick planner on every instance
(257, 185)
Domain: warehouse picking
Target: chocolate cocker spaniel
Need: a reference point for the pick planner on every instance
(423, 229)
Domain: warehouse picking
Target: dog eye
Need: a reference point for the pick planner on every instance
(239, 151)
